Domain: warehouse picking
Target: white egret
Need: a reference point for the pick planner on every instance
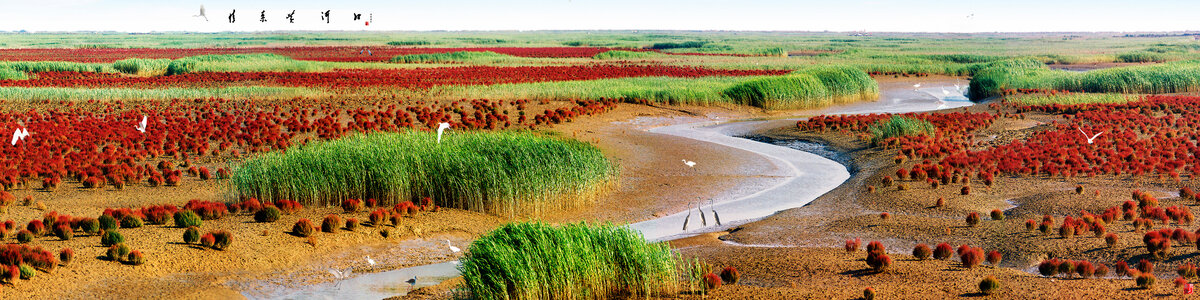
(689, 163)
(452, 247)
(340, 275)
(19, 135)
(370, 261)
(1085, 135)
(202, 13)
(916, 86)
(141, 127)
(945, 92)
(441, 127)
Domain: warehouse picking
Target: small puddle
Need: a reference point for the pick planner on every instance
(372, 285)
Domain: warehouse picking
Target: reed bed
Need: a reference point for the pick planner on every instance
(574, 261)
(1173, 77)
(898, 126)
(504, 173)
(1072, 99)
(478, 57)
(242, 63)
(111, 94)
(625, 55)
(804, 89)
(10, 74)
(56, 66)
(142, 66)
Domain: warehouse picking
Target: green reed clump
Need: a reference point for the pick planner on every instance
(458, 56)
(262, 62)
(793, 91)
(142, 66)
(807, 88)
(574, 261)
(625, 55)
(10, 74)
(56, 66)
(1141, 56)
(898, 126)
(507, 173)
(845, 84)
(1173, 77)
(111, 94)
(1072, 99)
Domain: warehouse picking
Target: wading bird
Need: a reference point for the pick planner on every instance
(412, 282)
(685, 219)
(916, 86)
(19, 135)
(945, 92)
(441, 127)
(703, 220)
(713, 208)
(370, 261)
(1085, 135)
(452, 247)
(141, 127)
(202, 13)
(689, 163)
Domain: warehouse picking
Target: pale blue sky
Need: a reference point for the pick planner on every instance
(850, 15)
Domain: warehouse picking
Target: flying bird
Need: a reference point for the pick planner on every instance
(452, 247)
(202, 13)
(689, 163)
(141, 127)
(343, 274)
(1085, 135)
(442, 127)
(19, 135)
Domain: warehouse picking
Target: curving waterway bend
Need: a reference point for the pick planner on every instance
(803, 177)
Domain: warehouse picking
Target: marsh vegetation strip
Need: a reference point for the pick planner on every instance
(508, 173)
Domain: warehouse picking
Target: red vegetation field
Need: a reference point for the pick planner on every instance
(405, 78)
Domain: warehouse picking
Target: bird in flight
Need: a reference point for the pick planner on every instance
(442, 127)
(19, 135)
(141, 127)
(1085, 135)
(202, 13)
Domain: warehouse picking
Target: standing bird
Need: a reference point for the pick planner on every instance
(714, 211)
(370, 261)
(441, 127)
(141, 127)
(202, 13)
(689, 163)
(685, 219)
(452, 247)
(916, 86)
(412, 282)
(1085, 135)
(703, 220)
